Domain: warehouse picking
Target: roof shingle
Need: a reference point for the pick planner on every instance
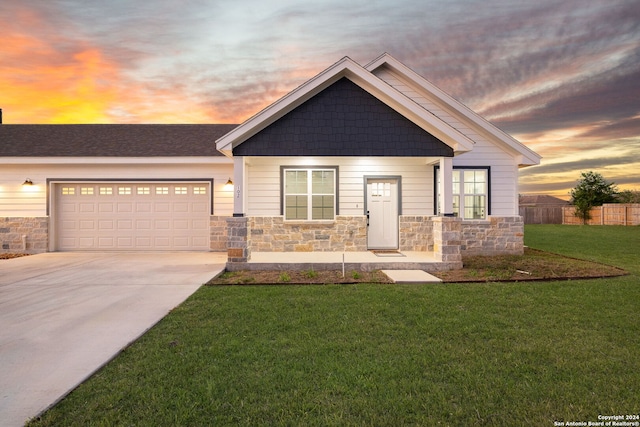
(111, 140)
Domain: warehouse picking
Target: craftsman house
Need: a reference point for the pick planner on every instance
(358, 158)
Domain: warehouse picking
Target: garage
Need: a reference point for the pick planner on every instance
(132, 216)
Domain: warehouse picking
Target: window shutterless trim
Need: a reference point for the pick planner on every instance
(307, 168)
(436, 168)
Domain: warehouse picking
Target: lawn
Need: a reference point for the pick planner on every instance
(441, 354)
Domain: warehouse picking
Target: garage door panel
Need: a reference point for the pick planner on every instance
(106, 224)
(199, 207)
(106, 243)
(162, 224)
(105, 207)
(162, 207)
(111, 216)
(143, 224)
(124, 242)
(69, 207)
(124, 207)
(199, 225)
(181, 207)
(86, 242)
(87, 207)
(180, 224)
(143, 207)
(87, 224)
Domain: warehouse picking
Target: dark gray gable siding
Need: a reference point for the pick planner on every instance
(343, 120)
(106, 140)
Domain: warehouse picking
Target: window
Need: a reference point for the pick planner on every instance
(124, 190)
(309, 194)
(180, 190)
(106, 191)
(143, 190)
(86, 191)
(470, 192)
(68, 191)
(199, 190)
(162, 190)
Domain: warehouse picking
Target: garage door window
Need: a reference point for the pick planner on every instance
(124, 190)
(106, 191)
(86, 191)
(162, 190)
(68, 191)
(199, 190)
(181, 190)
(144, 190)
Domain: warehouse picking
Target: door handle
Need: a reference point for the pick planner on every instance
(367, 218)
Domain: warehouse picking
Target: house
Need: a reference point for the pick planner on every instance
(357, 158)
(541, 209)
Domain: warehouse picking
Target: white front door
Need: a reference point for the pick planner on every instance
(382, 211)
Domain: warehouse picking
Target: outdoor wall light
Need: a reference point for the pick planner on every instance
(229, 185)
(27, 182)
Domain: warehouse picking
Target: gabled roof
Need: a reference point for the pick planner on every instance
(541, 200)
(459, 111)
(110, 140)
(346, 68)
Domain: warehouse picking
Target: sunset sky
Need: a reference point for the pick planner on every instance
(561, 76)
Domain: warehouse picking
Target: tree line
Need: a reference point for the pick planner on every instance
(593, 190)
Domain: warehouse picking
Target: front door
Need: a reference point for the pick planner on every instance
(382, 211)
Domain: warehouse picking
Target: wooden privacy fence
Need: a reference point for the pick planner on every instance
(541, 214)
(608, 214)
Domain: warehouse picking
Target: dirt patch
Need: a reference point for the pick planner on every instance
(10, 256)
(533, 265)
(298, 277)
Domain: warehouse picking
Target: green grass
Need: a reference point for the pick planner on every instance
(498, 354)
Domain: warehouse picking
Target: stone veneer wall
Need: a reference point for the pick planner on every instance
(273, 234)
(12, 230)
(416, 233)
(494, 236)
(218, 233)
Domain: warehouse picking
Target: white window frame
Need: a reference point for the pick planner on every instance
(309, 191)
(459, 193)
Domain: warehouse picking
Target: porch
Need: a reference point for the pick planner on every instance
(350, 261)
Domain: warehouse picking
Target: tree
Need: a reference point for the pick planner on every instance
(628, 196)
(592, 190)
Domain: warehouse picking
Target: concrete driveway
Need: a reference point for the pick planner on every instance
(64, 315)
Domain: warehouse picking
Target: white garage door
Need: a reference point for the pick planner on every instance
(154, 216)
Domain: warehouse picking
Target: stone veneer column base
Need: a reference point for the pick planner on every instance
(218, 233)
(447, 240)
(24, 235)
(238, 240)
(502, 235)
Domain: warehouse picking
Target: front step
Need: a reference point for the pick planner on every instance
(411, 276)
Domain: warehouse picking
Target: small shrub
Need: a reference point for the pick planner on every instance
(355, 275)
(310, 274)
(284, 277)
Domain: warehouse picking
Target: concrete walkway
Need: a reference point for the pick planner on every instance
(64, 315)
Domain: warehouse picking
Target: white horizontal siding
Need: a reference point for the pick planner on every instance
(432, 104)
(18, 200)
(263, 176)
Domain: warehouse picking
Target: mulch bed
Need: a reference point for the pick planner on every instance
(534, 265)
(10, 256)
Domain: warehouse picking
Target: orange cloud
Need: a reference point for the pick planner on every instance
(43, 82)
